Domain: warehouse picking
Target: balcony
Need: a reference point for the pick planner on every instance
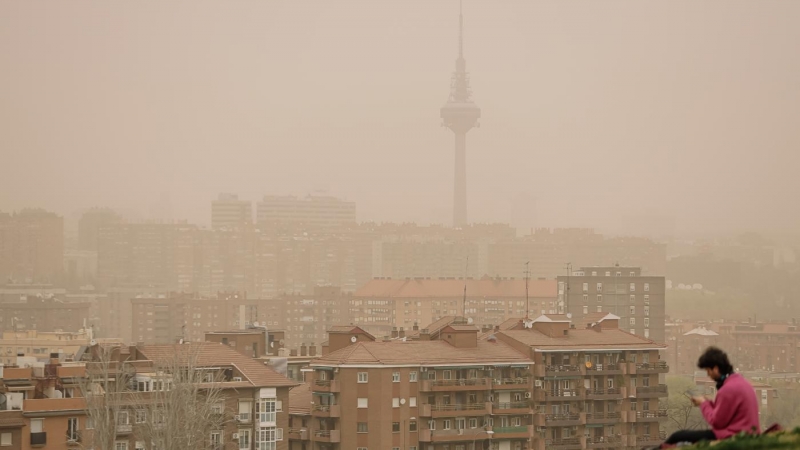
(564, 444)
(563, 420)
(651, 391)
(650, 439)
(505, 384)
(468, 435)
(124, 428)
(38, 439)
(603, 441)
(331, 386)
(651, 416)
(603, 418)
(511, 408)
(563, 370)
(561, 395)
(656, 367)
(462, 410)
(521, 432)
(326, 411)
(604, 369)
(605, 394)
(461, 384)
(327, 436)
(298, 434)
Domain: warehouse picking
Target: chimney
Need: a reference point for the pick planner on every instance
(312, 350)
(303, 349)
(416, 327)
(402, 333)
(293, 352)
(424, 335)
(394, 333)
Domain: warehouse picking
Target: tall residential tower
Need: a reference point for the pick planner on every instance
(460, 115)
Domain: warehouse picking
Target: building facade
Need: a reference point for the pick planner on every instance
(313, 211)
(31, 247)
(227, 211)
(623, 291)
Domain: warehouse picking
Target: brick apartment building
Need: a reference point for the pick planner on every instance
(31, 246)
(533, 384)
(623, 291)
(43, 313)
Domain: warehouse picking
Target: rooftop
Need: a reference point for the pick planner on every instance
(449, 288)
(582, 339)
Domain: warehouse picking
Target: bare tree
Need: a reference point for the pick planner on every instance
(681, 413)
(172, 403)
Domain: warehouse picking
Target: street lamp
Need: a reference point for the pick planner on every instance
(483, 429)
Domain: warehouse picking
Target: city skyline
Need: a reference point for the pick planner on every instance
(576, 115)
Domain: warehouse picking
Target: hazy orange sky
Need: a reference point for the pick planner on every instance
(594, 113)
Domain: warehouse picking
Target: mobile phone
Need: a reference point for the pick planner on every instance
(689, 393)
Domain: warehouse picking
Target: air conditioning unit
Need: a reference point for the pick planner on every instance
(498, 381)
(538, 383)
(527, 395)
(460, 431)
(237, 378)
(235, 436)
(491, 398)
(237, 418)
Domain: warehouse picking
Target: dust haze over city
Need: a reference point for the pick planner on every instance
(439, 184)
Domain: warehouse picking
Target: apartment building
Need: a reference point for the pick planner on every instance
(31, 247)
(383, 304)
(41, 344)
(227, 211)
(415, 394)
(686, 341)
(315, 211)
(595, 385)
(623, 291)
(532, 384)
(308, 317)
(43, 313)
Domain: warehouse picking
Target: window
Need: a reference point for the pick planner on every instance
(473, 423)
(140, 416)
(361, 448)
(646, 382)
(362, 377)
(120, 446)
(610, 383)
(585, 310)
(517, 421)
(646, 299)
(267, 437)
(646, 310)
(647, 287)
(362, 427)
(395, 427)
(633, 330)
(447, 375)
(412, 377)
(395, 377)
(599, 298)
(244, 439)
(412, 402)
(265, 410)
(363, 403)
(5, 439)
(432, 425)
(599, 287)
(647, 333)
(139, 445)
(633, 406)
(122, 418)
(633, 320)
(633, 310)
(446, 424)
(599, 308)
(72, 429)
(646, 322)
(412, 425)
(89, 423)
(633, 287)
(585, 287)
(594, 273)
(395, 402)
(244, 411)
(632, 299)
(216, 439)
(461, 424)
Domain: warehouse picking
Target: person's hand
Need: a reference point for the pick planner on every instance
(697, 401)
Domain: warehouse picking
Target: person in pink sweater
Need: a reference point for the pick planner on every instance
(735, 408)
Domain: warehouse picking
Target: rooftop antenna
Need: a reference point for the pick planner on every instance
(527, 277)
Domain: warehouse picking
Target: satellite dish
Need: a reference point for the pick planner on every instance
(588, 364)
(272, 344)
(93, 342)
(353, 339)
(569, 315)
(402, 401)
(527, 323)
(281, 341)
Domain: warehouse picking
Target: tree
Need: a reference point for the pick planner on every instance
(171, 403)
(681, 413)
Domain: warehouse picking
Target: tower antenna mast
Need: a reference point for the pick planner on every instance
(464, 300)
(527, 277)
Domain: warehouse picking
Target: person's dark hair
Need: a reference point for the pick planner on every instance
(714, 357)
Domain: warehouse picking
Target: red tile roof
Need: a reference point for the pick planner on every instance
(209, 354)
(300, 399)
(455, 288)
(420, 353)
(582, 339)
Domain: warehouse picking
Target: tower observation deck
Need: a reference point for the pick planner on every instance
(460, 114)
